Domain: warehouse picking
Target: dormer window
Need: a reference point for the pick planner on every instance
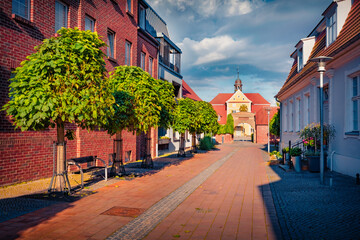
(300, 60)
(331, 30)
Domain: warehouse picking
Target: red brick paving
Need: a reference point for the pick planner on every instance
(228, 205)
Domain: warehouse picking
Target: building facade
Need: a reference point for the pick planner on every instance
(337, 35)
(248, 110)
(25, 24)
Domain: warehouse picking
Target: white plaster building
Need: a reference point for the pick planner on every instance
(337, 35)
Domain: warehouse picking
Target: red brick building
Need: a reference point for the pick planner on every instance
(25, 24)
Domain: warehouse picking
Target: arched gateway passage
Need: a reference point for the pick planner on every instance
(244, 124)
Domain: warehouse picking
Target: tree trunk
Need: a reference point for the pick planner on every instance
(148, 159)
(182, 145)
(117, 166)
(194, 149)
(60, 183)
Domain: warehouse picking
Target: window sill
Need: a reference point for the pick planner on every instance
(112, 59)
(130, 13)
(22, 20)
(352, 133)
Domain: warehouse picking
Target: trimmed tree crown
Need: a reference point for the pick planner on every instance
(63, 81)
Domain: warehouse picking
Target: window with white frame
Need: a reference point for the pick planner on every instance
(128, 6)
(291, 114)
(285, 118)
(355, 105)
(21, 8)
(111, 44)
(89, 23)
(298, 114)
(142, 16)
(331, 30)
(151, 61)
(142, 61)
(61, 15)
(300, 60)
(127, 53)
(306, 109)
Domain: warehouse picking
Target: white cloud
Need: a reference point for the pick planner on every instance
(210, 8)
(227, 50)
(208, 87)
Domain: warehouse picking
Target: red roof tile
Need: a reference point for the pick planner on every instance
(261, 116)
(256, 98)
(221, 98)
(349, 34)
(188, 92)
(220, 110)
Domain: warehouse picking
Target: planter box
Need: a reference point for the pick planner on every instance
(314, 163)
(297, 163)
(163, 141)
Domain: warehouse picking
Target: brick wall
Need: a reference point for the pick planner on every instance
(262, 131)
(227, 138)
(28, 155)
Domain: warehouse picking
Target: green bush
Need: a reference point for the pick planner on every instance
(296, 151)
(276, 153)
(285, 150)
(206, 143)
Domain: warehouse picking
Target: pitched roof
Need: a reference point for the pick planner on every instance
(188, 92)
(261, 116)
(349, 34)
(255, 98)
(220, 110)
(221, 98)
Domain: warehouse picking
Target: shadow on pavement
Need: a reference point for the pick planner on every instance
(305, 209)
(20, 213)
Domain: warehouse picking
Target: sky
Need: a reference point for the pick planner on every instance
(257, 36)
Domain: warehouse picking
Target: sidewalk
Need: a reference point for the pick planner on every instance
(229, 193)
(88, 218)
(308, 210)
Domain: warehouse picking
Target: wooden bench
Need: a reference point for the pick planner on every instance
(91, 166)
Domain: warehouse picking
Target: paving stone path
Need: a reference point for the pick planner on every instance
(308, 210)
(142, 225)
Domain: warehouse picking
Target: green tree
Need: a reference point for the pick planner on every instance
(185, 119)
(207, 118)
(62, 82)
(275, 124)
(142, 102)
(228, 128)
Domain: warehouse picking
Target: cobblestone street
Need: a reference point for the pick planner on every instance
(228, 193)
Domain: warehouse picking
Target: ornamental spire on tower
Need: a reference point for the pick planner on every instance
(238, 83)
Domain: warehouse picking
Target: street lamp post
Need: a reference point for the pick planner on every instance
(321, 69)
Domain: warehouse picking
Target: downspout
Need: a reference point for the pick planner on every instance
(280, 117)
(331, 160)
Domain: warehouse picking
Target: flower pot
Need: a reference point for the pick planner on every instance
(297, 163)
(163, 141)
(314, 163)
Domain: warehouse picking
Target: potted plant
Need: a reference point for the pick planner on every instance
(312, 141)
(285, 152)
(164, 140)
(313, 158)
(296, 158)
